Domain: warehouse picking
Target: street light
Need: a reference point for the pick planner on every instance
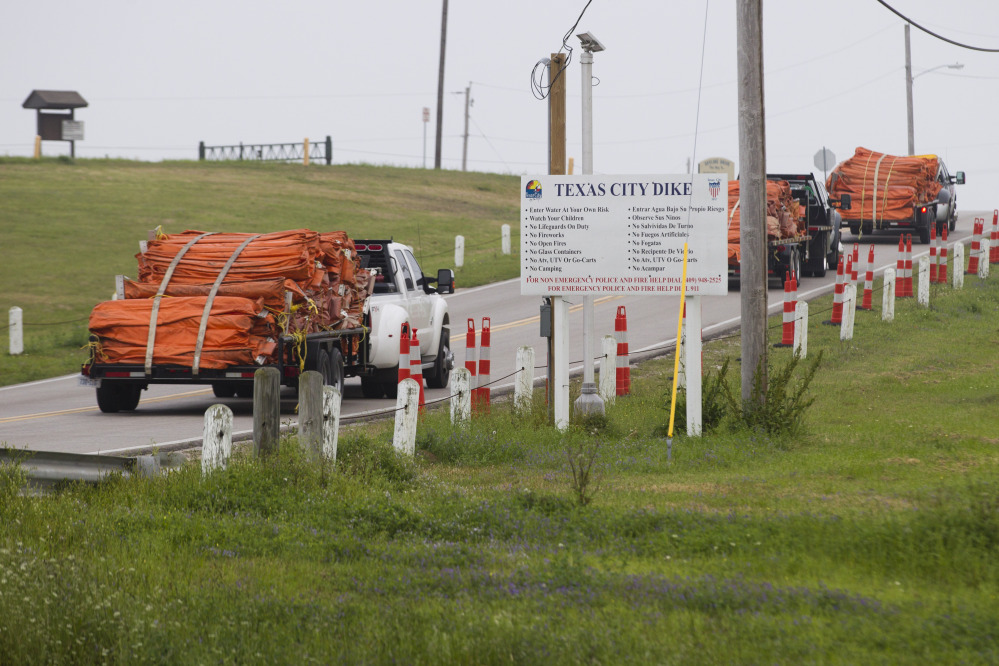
(908, 85)
(589, 402)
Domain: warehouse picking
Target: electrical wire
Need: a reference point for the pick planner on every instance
(541, 91)
(933, 34)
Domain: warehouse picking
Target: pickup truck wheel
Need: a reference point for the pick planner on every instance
(953, 221)
(816, 265)
(832, 261)
(440, 375)
(372, 388)
(391, 389)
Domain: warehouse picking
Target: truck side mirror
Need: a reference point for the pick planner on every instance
(445, 281)
(960, 178)
(844, 202)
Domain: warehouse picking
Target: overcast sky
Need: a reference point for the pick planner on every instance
(160, 77)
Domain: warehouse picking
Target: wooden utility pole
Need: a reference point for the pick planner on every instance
(556, 167)
(464, 147)
(440, 89)
(753, 196)
(556, 110)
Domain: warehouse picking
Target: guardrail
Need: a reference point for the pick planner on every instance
(307, 151)
(46, 470)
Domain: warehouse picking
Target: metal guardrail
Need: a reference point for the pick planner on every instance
(319, 151)
(46, 470)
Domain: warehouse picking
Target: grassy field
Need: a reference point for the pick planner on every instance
(868, 536)
(67, 228)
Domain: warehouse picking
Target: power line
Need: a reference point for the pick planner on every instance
(930, 32)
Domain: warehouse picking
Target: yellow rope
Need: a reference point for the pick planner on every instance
(679, 333)
(96, 350)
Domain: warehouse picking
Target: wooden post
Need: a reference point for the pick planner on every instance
(461, 396)
(983, 263)
(216, 446)
(332, 401)
(15, 319)
(310, 413)
(523, 397)
(505, 239)
(305, 152)
(958, 273)
(459, 251)
(801, 329)
(608, 370)
(923, 297)
(556, 115)
(407, 409)
(888, 296)
(38, 147)
(266, 411)
(753, 191)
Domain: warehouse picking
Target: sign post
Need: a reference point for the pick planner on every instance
(825, 160)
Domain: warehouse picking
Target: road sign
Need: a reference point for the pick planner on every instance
(825, 160)
(623, 234)
(426, 114)
(72, 130)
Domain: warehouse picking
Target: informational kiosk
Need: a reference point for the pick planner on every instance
(57, 126)
(624, 235)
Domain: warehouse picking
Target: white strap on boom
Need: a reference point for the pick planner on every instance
(151, 340)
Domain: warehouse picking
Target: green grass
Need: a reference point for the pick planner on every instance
(68, 227)
(869, 537)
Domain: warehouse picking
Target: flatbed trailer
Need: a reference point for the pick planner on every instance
(334, 354)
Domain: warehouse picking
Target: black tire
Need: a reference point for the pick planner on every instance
(335, 377)
(391, 389)
(953, 220)
(816, 265)
(924, 233)
(855, 229)
(440, 374)
(372, 388)
(130, 396)
(112, 398)
(833, 259)
(223, 389)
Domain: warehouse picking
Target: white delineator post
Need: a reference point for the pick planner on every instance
(461, 396)
(692, 363)
(983, 265)
(801, 328)
(849, 311)
(608, 370)
(560, 332)
(216, 446)
(923, 297)
(505, 239)
(523, 396)
(958, 273)
(459, 251)
(407, 407)
(15, 318)
(888, 296)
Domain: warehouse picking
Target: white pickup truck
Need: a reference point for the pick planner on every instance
(403, 294)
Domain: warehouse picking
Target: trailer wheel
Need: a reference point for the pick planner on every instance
(223, 389)
(331, 366)
(112, 398)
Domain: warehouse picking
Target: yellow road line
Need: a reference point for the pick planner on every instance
(524, 322)
(79, 410)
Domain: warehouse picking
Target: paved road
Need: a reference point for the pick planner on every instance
(58, 415)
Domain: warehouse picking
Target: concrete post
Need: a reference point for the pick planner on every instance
(888, 296)
(216, 444)
(15, 319)
(523, 397)
(407, 409)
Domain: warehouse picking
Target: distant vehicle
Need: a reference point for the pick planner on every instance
(822, 221)
(909, 193)
(947, 209)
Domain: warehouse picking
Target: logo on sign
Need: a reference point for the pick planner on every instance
(533, 189)
(714, 187)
